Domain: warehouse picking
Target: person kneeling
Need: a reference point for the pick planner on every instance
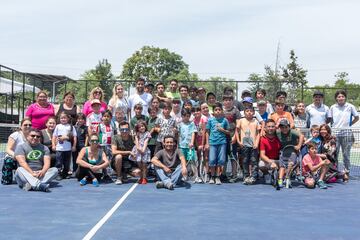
(34, 172)
(170, 164)
(91, 160)
(314, 168)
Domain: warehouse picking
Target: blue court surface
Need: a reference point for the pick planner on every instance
(203, 212)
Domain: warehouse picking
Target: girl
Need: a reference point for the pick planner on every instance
(141, 150)
(91, 160)
(300, 118)
(82, 137)
(47, 135)
(64, 141)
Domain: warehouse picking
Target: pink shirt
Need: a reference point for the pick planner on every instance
(87, 107)
(39, 115)
(307, 160)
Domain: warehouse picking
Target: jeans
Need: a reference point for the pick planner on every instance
(217, 155)
(63, 159)
(22, 177)
(345, 142)
(171, 178)
(251, 157)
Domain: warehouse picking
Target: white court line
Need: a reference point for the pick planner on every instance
(93, 231)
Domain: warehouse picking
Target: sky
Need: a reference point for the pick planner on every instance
(216, 38)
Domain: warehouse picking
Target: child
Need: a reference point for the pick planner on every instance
(152, 129)
(315, 136)
(261, 105)
(187, 132)
(165, 125)
(138, 108)
(106, 132)
(200, 132)
(119, 117)
(94, 119)
(314, 168)
(249, 141)
(141, 150)
(280, 114)
(176, 110)
(64, 141)
(81, 137)
(216, 134)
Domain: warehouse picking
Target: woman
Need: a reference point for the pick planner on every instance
(91, 161)
(68, 106)
(40, 111)
(119, 100)
(211, 100)
(155, 103)
(14, 140)
(300, 118)
(47, 134)
(96, 93)
(343, 115)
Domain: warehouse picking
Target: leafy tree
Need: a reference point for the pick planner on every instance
(155, 64)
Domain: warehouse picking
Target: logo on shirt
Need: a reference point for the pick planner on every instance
(34, 155)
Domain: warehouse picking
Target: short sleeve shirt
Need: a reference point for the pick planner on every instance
(122, 145)
(216, 137)
(186, 130)
(169, 160)
(34, 155)
(342, 115)
(292, 138)
(317, 115)
(309, 160)
(232, 115)
(271, 146)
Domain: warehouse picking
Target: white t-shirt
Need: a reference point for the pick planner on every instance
(18, 138)
(122, 103)
(62, 130)
(317, 115)
(342, 115)
(144, 99)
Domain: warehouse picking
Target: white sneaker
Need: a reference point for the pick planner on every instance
(118, 181)
(267, 179)
(198, 180)
(212, 180)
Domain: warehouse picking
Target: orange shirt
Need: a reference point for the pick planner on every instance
(277, 117)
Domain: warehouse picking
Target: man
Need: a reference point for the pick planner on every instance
(317, 111)
(173, 90)
(229, 91)
(141, 97)
(121, 147)
(34, 172)
(269, 150)
(184, 93)
(170, 164)
(201, 92)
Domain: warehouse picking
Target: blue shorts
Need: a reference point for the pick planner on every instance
(217, 155)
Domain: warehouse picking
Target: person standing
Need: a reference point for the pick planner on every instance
(98, 94)
(317, 111)
(68, 106)
(119, 100)
(140, 97)
(40, 111)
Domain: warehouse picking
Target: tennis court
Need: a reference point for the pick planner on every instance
(229, 211)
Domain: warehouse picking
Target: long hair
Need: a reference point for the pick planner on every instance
(91, 96)
(114, 95)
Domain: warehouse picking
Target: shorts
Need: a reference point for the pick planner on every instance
(189, 154)
(127, 165)
(217, 155)
(284, 161)
(263, 164)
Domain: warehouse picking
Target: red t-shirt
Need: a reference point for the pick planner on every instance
(307, 160)
(271, 146)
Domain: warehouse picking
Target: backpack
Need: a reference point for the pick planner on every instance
(7, 170)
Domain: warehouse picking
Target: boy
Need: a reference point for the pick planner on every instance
(216, 134)
(249, 141)
(315, 136)
(94, 119)
(138, 116)
(165, 125)
(280, 114)
(314, 168)
(261, 105)
(152, 129)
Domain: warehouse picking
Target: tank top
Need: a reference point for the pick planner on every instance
(72, 113)
(93, 161)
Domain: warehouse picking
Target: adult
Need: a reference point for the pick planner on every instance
(184, 93)
(46, 138)
(140, 96)
(173, 93)
(342, 116)
(281, 96)
(269, 150)
(230, 91)
(317, 111)
(155, 104)
(260, 95)
(119, 101)
(121, 148)
(92, 161)
(68, 106)
(170, 164)
(96, 93)
(40, 111)
(201, 93)
(14, 140)
(34, 172)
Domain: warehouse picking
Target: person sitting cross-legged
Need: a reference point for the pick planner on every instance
(33, 157)
(170, 164)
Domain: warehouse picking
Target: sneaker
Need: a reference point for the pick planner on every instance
(59, 177)
(140, 181)
(198, 180)
(27, 187)
(280, 183)
(107, 179)
(144, 181)
(212, 180)
(217, 181)
(267, 178)
(321, 184)
(251, 180)
(118, 181)
(288, 183)
(246, 181)
(83, 182)
(95, 183)
(169, 186)
(43, 187)
(159, 184)
(207, 177)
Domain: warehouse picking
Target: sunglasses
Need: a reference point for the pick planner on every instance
(124, 129)
(94, 141)
(97, 92)
(27, 125)
(35, 136)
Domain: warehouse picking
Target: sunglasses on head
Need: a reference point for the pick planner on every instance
(35, 136)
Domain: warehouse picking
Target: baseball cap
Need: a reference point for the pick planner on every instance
(284, 122)
(95, 101)
(248, 99)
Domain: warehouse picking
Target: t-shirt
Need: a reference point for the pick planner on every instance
(172, 95)
(144, 99)
(106, 132)
(277, 117)
(271, 146)
(216, 137)
(64, 130)
(257, 116)
(169, 160)
(151, 125)
(342, 115)
(34, 155)
(292, 138)
(122, 103)
(307, 159)
(317, 115)
(81, 132)
(134, 120)
(18, 137)
(93, 120)
(186, 130)
(122, 145)
(232, 115)
(166, 127)
(39, 115)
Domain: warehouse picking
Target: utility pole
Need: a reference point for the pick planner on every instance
(277, 62)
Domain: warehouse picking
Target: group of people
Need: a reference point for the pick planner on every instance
(161, 131)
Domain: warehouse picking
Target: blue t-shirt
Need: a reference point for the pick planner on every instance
(185, 133)
(216, 137)
(265, 116)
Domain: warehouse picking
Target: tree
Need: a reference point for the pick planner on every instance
(101, 76)
(155, 64)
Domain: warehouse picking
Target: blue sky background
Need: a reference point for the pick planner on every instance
(216, 38)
